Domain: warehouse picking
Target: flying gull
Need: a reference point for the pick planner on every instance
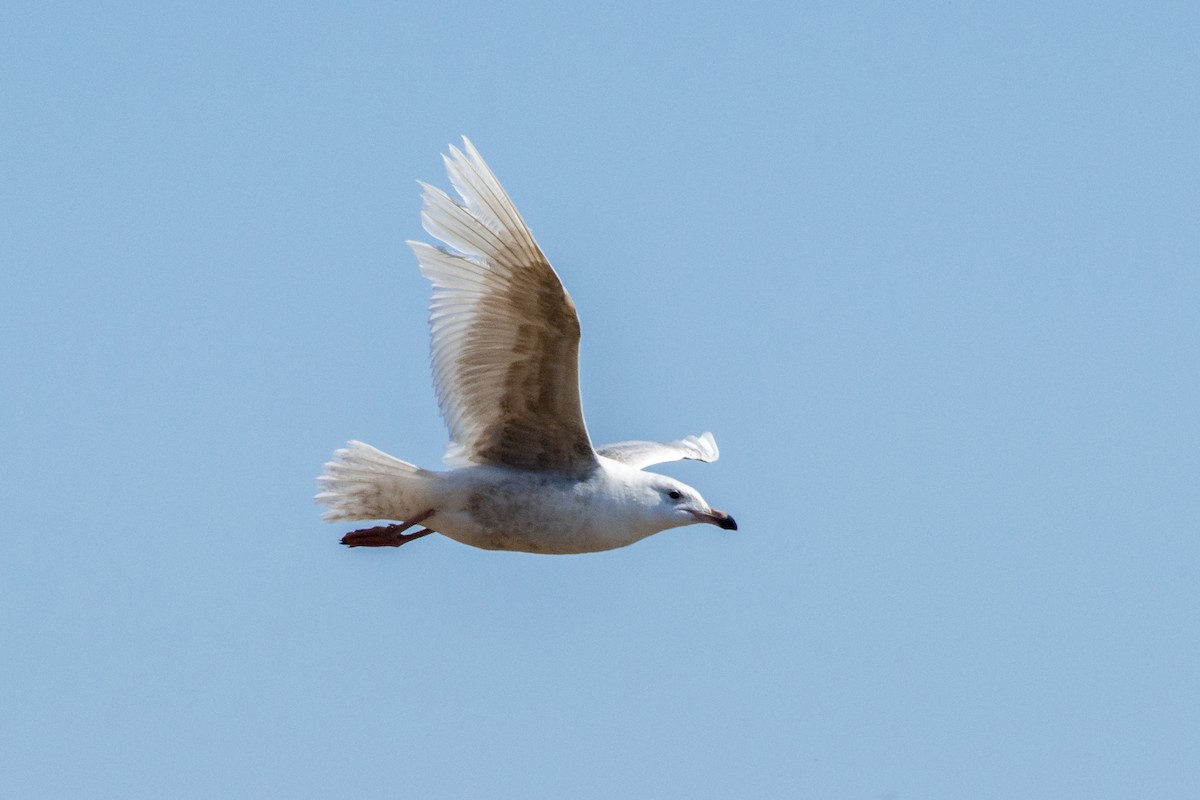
(524, 474)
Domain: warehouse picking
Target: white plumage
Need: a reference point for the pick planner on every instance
(505, 367)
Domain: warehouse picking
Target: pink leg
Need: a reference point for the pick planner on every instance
(389, 535)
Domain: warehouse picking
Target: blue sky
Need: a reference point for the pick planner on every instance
(928, 271)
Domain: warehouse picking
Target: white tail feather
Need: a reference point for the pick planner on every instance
(365, 483)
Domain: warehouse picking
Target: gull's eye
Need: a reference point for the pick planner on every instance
(674, 494)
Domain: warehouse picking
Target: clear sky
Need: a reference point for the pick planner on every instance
(929, 271)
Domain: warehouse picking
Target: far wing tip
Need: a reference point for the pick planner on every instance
(707, 446)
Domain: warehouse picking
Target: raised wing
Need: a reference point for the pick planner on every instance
(642, 454)
(505, 332)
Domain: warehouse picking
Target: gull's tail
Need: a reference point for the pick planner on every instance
(364, 483)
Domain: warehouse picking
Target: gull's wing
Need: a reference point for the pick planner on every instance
(642, 454)
(505, 332)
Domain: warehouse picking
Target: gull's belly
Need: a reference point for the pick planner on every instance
(530, 529)
(532, 514)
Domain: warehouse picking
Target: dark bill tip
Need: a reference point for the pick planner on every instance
(723, 521)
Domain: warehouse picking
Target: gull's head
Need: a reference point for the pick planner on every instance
(676, 504)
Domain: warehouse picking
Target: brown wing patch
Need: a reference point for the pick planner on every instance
(540, 422)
